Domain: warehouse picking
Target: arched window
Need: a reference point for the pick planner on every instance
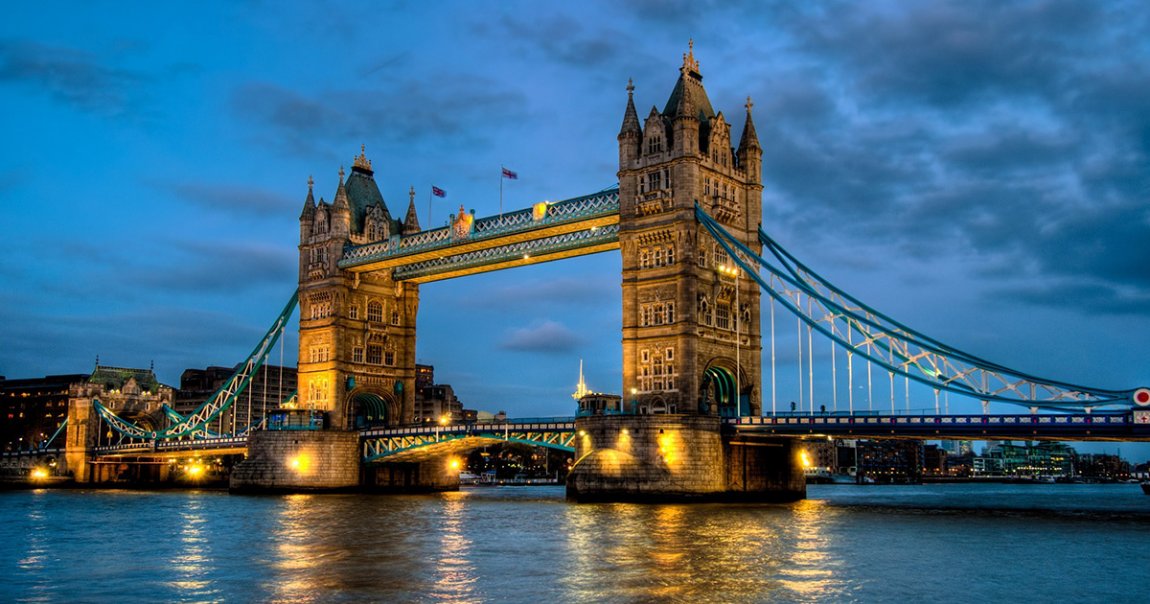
(375, 311)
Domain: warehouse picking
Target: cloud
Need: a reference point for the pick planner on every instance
(548, 337)
(72, 76)
(221, 267)
(410, 114)
(232, 199)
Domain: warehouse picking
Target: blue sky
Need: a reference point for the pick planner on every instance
(978, 170)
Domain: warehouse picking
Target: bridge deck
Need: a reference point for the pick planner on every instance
(1127, 426)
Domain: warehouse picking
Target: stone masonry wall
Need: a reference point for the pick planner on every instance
(299, 461)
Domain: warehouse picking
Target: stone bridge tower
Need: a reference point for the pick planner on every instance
(691, 336)
(357, 331)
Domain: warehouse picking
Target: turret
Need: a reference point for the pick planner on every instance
(341, 209)
(750, 154)
(411, 221)
(308, 215)
(631, 134)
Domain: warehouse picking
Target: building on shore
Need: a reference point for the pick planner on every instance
(33, 409)
(435, 402)
(269, 388)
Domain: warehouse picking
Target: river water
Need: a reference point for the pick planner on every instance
(845, 543)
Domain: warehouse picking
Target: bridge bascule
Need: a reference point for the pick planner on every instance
(695, 421)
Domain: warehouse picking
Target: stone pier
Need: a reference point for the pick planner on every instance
(299, 461)
(662, 458)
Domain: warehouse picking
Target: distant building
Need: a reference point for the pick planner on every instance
(890, 461)
(268, 389)
(934, 460)
(434, 401)
(32, 409)
(1042, 460)
(1102, 467)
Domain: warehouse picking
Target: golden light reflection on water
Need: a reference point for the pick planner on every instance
(455, 576)
(191, 561)
(810, 571)
(700, 552)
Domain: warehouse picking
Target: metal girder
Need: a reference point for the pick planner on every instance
(861, 330)
(223, 398)
(547, 231)
(395, 444)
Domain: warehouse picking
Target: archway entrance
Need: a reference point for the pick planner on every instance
(720, 389)
(369, 410)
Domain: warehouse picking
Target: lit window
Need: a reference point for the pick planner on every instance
(375, 311)
(357, 354)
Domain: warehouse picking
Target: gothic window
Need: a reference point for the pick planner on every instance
(658, 312)
(658, 256)
(353, 311)
(654, 144)
(655, 181)
(374, 354)
(723, 315)
(706, 187)
(389, 358)
(357, 354)
(395, 318)
(656, 370)
(670, 312)
(648, 316)
(644, 258)
(704, 311)
(670, 254)
(375, 311)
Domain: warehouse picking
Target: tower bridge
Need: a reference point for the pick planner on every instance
(685, 218)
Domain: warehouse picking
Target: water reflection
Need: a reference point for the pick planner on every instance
(191, 559)
(632, 553)
(454, 569)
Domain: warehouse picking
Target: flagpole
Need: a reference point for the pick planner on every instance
(501, 169)
(429, 227)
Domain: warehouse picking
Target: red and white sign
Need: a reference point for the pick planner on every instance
(1142, 397)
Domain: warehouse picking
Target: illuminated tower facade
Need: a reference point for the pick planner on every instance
(691, 336)
(357, 331)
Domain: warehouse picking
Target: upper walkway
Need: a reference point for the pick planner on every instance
(546, 231)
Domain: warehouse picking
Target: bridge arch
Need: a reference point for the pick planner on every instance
(720, 391)
(367, 409)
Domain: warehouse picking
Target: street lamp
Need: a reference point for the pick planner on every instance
(733, 271)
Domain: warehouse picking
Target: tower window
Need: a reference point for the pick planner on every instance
(374, 354)
(375, 311)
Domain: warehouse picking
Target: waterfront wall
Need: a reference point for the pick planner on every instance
(678, 458)
(303, 460)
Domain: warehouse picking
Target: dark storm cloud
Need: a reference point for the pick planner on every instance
(232, 199)
(408, 113)
(219, 267)
(1014, 133)
(71, 76)
(548, 337)
(562, 38)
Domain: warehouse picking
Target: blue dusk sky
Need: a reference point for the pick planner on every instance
(978, 170)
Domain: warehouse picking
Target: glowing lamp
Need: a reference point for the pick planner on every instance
(39, 474)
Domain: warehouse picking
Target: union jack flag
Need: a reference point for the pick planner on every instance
(510, 175)
(436, 191)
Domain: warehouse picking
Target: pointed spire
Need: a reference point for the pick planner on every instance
(630, 116)
(580, 388)
(341, 203)
(690, 65)
(411, 221)
(361, 162)
(309, 203)
(750, 139)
